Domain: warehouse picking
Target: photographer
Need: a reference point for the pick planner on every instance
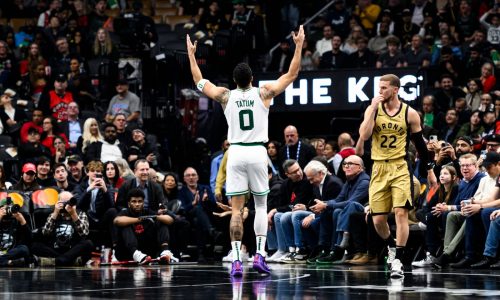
(96, 199)
(142, 234)
(15, 235)
(65, 234)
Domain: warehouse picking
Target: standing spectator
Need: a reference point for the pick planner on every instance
(59, 62)
(492, 27)
(294, 148)
(79, 84)
(125, 102)
(466, 20)
(406, 29)
(98, 19)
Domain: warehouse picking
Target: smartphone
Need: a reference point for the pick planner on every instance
(433, 138)
(483, 154)
(98, 175)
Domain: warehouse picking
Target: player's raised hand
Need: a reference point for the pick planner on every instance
(190, 46)
(299, 36)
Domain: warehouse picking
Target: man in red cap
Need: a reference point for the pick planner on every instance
(27, 183)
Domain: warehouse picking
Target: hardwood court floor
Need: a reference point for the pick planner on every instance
(213, 282)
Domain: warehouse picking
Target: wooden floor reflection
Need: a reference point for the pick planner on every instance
(213, 282)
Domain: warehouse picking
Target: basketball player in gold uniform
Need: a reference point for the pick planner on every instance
(390, 123)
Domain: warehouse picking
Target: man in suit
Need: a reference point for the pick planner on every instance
(338, 209)
(152, 190)
(73, 127)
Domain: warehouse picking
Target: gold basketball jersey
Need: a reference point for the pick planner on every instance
(390, 135)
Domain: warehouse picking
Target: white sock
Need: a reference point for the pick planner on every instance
(260, 222)
(236, 246)
(261, 244)
(291, 249)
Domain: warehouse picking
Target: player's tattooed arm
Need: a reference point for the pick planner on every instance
(223, 97)
(267, 93)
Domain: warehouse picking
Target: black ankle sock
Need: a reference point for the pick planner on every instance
(390, 242)
(400, 252)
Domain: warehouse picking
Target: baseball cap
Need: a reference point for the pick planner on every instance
(74, 158)
(406, 12)
(466, 139)
(61, 77)
(492, 138)
(491, 158)
(139, 131)
(29, 167)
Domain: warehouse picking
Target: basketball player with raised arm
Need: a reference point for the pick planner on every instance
(390, 123)
(246, 109)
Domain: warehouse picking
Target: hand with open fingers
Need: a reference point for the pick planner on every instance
(223, 206)
(191, 47)
(318, 207)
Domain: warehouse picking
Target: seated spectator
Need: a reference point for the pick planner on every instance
(334, 59)
(473, 128)
(455, 220)
(363, 57)
(434, 219)
(55, 102)
(319, 145)
(113, 178)
(103, 47)
(142, 149)
(272, 152)
(61, 178)
(324, 44)
(123, 133)
(109, 149)
(125, 102)
(349, 46)
(331, 149)
(142, 233)
(352, 197)
(488, 78)
(307, 63)
(73, 128)
(75, 167)
(489, 123)
(50, 131)
(38, 80)
(91, 134)
(15, 237)
(294, 148)
(368, 13)
(36, 122)
(198, 203)
(125, 170)
(281, 58)
(393, 58)
(65, 236)
(61, 154)
(474, 91)
(447, 93)
(79, 85)
(378, 43)
(97, 201)
(34, 57)
(295, 193)
(59, 61)
(43, 172)
(33, 148)
(416, 55)
(27, 182)
(432, 117)
(12, 118)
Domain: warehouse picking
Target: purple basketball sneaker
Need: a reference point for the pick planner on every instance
(259, 264)
(237, 269)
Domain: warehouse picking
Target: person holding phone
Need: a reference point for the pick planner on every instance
(95, 198)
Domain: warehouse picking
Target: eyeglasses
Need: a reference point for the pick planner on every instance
(492, 145)
(349, 164)
(466, 165)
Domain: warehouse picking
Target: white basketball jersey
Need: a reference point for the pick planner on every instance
(247, 117)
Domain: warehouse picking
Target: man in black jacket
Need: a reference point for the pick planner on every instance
(152, 190)
(96, 200)
(15, 236)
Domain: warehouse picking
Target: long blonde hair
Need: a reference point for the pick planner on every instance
(88, 138)
(124, 168)
(108, 44)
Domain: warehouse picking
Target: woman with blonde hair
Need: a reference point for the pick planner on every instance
(125, 171)
(103, 46)
(91, 134)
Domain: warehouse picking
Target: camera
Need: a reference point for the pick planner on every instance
(71, 202)
(11, 208)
